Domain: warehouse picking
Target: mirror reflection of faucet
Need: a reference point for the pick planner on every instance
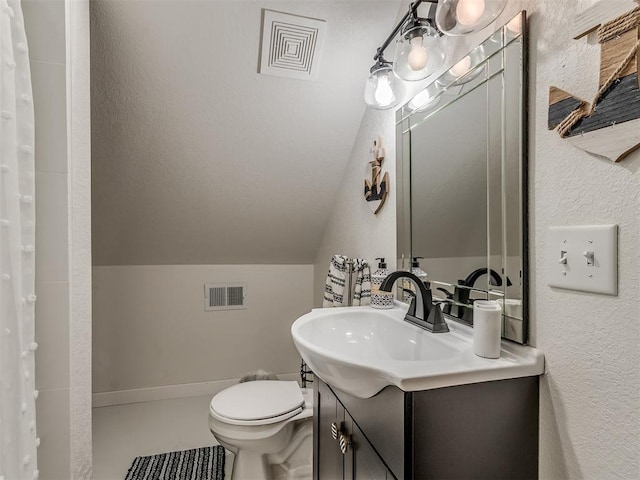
(458, 303)
(447, 302)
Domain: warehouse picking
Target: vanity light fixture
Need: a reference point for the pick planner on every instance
(418, 49)
(459, 17)
(419, 52)
(383, 89)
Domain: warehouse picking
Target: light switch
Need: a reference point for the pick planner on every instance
(583, 258)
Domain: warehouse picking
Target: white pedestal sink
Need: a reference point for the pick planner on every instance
(361, 350)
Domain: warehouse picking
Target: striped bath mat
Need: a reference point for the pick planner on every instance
(205, 463)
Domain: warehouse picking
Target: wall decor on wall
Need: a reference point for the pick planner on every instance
(376, 190)
(610, 125)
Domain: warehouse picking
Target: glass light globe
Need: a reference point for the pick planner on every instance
(461, 67)
(469, 12)
(465, 70)
(418, 52)
(425, 99)
(383, 89)
(459, 17)
(515, 25)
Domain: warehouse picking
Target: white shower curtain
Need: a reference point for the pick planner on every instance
(18, 440)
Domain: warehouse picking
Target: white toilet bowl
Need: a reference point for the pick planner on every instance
(267, 424)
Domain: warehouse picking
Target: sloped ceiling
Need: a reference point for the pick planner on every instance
(198, 159)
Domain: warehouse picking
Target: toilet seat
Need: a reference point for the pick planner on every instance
(262, 402)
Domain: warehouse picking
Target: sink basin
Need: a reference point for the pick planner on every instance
(361, 350)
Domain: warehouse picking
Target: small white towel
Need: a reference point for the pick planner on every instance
(334, 286)
(362, 293)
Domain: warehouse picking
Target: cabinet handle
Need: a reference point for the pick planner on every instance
(335, 430)
(344, 443)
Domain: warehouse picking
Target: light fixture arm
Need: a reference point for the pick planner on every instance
(413, 9)
(380, 63)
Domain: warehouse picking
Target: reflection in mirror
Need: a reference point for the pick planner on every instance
(462, 177)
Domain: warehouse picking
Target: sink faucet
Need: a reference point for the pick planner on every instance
(422, 312)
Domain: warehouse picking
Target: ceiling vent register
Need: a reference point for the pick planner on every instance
(291, 45)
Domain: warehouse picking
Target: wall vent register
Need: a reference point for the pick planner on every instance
(225, 296)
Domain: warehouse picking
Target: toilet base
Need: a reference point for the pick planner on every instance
(293, 460)
(252, 465)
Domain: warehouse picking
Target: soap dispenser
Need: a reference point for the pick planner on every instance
(418, 272)
(380, 299)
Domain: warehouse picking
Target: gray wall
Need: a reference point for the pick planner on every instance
(151, 329)
(197, 158)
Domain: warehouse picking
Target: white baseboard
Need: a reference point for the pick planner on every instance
(165, 392)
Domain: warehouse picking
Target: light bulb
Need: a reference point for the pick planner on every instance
(469, 12)
(384, 93)
(418, 56)
(461, 67)
(422, 99)
(515, 25)
(383, 89)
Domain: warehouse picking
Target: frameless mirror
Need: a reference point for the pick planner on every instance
(461, 152)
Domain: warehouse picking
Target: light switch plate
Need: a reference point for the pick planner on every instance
(583, 258)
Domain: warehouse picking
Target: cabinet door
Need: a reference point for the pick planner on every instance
(328, 459)
(363, 462)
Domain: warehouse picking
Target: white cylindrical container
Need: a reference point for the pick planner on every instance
(487, 323)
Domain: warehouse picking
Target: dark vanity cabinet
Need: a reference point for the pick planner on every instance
(479, 431)
(341, 450)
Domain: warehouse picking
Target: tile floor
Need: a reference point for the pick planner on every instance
(123, 432)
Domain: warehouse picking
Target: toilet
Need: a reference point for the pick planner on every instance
(268, 425)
